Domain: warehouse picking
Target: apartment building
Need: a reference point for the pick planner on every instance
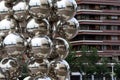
(99, 27)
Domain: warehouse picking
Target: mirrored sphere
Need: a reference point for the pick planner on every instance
(9, 66)
(42, 26)
(3, 9)
(14, 44)
(38, 66)
(61, 47)
(41, 46)
(20, 10)
(66, 9)
(59, 69)
(40, 8)
(69, 29)
(6, 24)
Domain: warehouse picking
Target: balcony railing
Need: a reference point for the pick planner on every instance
(96, 42)
(104, 2)
(100, 32)
(100, 22)
(98, 12)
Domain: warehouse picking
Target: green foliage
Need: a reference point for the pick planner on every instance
(25, 71)
(117, 70)
(93, 56)
(102, 69)
(71, 59)
(86, 62)
(91, 69)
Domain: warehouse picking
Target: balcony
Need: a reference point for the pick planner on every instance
(104, 2)
(98, 12)
(99, 32)
(96, 42)
(100, 22)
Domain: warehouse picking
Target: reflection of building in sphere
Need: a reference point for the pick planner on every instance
(32, 38)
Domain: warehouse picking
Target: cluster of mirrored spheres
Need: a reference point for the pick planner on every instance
(35, 34)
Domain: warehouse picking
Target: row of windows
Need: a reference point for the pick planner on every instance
(97, 17)
(99, 27)
(98, 7)
(99, 48)
(97, 38)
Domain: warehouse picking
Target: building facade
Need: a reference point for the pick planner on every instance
(99, 27)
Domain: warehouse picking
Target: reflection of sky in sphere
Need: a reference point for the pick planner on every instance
(44, 78)
(3, 7)
(34, 65)
(32, 24)
(12, 39)
(20, 6)
(5, 24)
(38, 41)
(61, 4)
(34, 2)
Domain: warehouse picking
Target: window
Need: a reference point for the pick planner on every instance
(114, 27)
(78, 17)
(104, 47)
(82, 17)
(79, 7)
(114, 17)
(108, 27)
(103, 17)
(103, 27)
(114, 37)
(102, 7)
(115, 47)
(84, 27)
(113, 7)
(84, 6)
(119, 58)
(99, 37)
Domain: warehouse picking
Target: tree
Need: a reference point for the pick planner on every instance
(117, 70)
(88, 60)
(72, 60)
(93, 57)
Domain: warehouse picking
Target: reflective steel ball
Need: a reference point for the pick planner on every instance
(42, 26)
(20, 11)
(41, 46)
(14, 44)
(60, 69)
(38, 66)
(69, 29)
(61, 47)
(40, 8)
(66, 9)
